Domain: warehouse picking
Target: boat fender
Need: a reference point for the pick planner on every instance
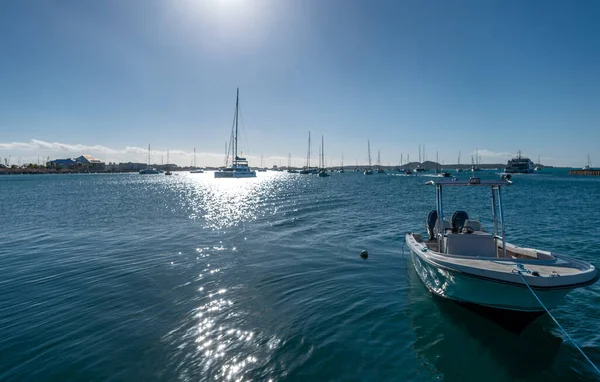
(535, 273)
(364, 254)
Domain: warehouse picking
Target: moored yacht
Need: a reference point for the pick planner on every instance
(149, 170)
(588, 165)
(196, 170)
(459, 260)
(368, 171)
(322, 170)
(519, 165)
(239, 166)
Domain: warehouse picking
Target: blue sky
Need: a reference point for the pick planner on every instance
(109, 77)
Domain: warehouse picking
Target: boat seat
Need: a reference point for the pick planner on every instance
(475, 244)
(475, 225)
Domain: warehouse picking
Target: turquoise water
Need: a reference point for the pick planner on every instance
(129, 277)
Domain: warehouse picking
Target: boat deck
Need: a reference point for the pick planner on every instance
(500, 264)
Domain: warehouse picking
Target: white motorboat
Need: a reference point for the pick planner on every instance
(239, 167)
(461, 261)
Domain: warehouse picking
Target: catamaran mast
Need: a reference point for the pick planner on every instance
(237, 102)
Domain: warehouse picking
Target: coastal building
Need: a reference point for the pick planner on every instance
(82, 162)
(90, 163)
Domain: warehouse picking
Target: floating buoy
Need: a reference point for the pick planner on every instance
(364, 254)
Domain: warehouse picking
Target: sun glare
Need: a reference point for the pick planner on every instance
(226, 24)
(231, 3)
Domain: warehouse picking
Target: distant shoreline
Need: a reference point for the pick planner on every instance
(429, 166)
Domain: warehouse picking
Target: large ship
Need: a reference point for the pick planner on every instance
(519, 165)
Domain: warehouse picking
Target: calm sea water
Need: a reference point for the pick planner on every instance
(185, 278)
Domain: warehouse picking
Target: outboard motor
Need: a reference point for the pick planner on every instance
(430, 224)
(458, 220)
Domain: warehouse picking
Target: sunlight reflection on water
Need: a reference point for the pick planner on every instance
(224, 203)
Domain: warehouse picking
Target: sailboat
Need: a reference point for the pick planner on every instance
(341, 170)
(539, 166)
(379, 169)
(239, 166)
(588, 165)
(168, 172)
(307, 169)
(196, 170)
(369, 171)
(149, 170)
(290, 170)
(261, 168)
(407, 170)
(322, 170)
(475, 164)
(441, 173)
(459, 169)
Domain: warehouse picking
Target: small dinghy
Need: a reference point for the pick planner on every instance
(461, 261)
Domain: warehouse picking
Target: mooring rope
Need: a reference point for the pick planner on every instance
(522, 269)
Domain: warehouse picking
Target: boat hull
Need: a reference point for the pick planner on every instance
(150, 172)
(235, 174)
(467, 290)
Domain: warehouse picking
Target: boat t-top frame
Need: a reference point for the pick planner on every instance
(472, 182)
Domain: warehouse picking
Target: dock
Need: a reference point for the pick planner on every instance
(590, 172)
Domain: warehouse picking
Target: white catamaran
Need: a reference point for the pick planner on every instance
(239, 166)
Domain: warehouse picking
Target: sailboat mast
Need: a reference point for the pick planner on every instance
(237, 103)
(369, 151)
(148, 154)
(309, 149)
(322, 151)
